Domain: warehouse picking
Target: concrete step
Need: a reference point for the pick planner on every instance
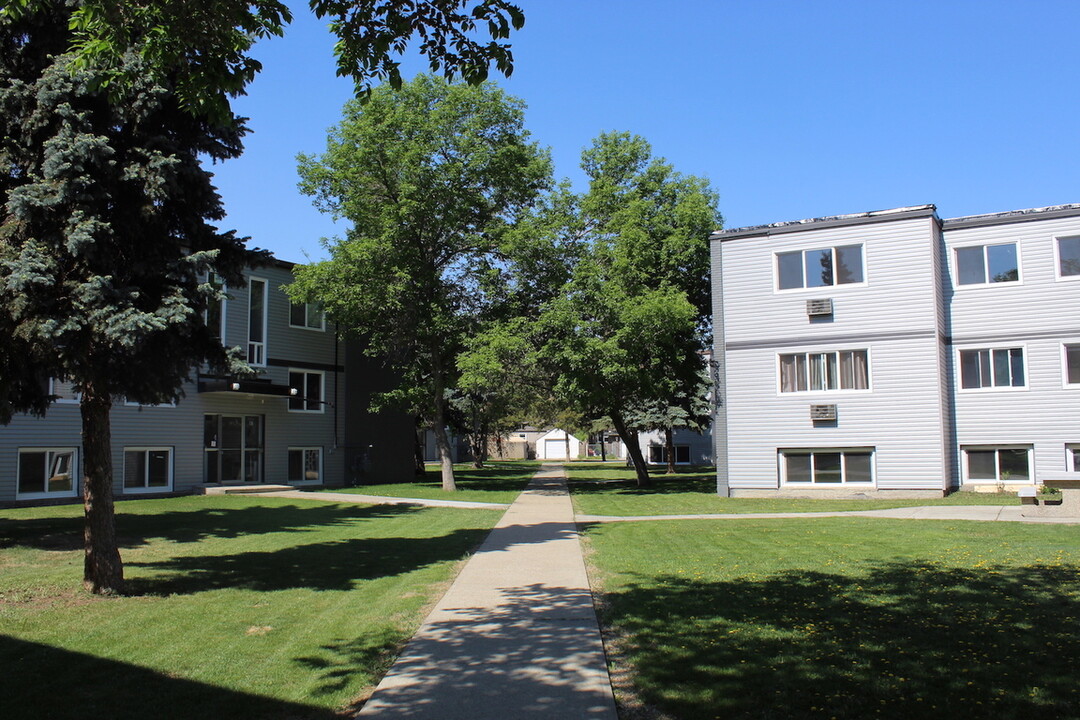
(239, 489)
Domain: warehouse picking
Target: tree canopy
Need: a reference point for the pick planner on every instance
(106, 241)
(431, 177)
(622, 335)
(209, 41)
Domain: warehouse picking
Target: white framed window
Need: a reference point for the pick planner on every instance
(658, 454)
(148, 469)
(992, 368)
(826, 466)
(309, 316)
(824, 371)
(214, 314)
(997, 463)
(820, 267)
(1070, 364)
(1072, 457)
(309, 386)
(64, 392)
(987, 264)
(1068, 258)
(257, 296)
(305, 465)
(47, 473)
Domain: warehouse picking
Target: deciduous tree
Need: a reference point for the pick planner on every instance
(431, 177)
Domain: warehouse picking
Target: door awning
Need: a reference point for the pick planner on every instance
(244, 387)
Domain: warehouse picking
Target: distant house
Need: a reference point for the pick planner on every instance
(558, 444)
(894, 352)
(691, 447)
(302, 421)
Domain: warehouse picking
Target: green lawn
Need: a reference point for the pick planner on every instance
(611, 490)
(497, 482)
(241, 607)
(844, 618)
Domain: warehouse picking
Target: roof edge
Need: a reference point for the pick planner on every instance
(1012, 216)
(875, 216)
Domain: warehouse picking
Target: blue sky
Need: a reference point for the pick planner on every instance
(791, 109)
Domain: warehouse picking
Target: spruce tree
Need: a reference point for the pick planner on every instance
(106, 241)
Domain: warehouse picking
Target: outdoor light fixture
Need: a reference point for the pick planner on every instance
(236, 386)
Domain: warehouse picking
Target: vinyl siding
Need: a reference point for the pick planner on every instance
(1039, 313)
(895, 315)
(181, 427)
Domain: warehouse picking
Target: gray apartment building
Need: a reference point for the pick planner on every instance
(302, 421)
(894, 352)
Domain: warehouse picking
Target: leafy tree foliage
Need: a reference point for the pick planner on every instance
(211, 40)
(432, 177)
(624, 333)
(105, 231)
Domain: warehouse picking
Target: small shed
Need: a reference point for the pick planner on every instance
(552, 445)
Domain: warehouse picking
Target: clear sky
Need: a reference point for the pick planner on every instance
(791, 109)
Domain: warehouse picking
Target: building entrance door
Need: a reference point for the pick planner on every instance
(233, 445)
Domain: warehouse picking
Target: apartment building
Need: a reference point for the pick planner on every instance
(302, 421)
(894, 352)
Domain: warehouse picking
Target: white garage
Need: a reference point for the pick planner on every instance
(553, 444)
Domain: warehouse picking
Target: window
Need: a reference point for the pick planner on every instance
(309, 391)
(658, 454)
(998, 464)
(256, 354)
(305, 465)
(147, 469)
(46, 472)
(233, 448)
(818, 371)
(1072, 364)
(827, 467)
(1072, 457)
(64, 391)
(1068, 257)
(820, 268)
(983, 264)
(214, 315)
(994, 368)
(307, 315)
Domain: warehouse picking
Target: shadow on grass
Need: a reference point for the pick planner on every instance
(336, 664)
(905, 640)
(334, 565)
(88, 688)
(598, 479)
(185, 526)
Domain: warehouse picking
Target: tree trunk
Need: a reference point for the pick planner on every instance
(633, 447)
(669, 449)
(603, 450)
(103, 571)
(477, 440)
(566, 441)
(442, 441)
(418, 449)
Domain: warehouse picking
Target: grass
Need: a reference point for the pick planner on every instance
(240, 607)
(497, 482)
(843, 618)
(612, 490)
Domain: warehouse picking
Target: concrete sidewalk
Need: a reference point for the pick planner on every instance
(516, 635)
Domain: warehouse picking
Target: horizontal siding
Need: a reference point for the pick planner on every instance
(1039, 303)
(181, 427)
(899, 294)
(900, 417)
(1045, 415)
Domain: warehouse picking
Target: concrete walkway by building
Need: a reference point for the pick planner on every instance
(516, 635)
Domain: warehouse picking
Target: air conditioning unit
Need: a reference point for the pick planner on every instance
(822, 412)
(819, 308)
